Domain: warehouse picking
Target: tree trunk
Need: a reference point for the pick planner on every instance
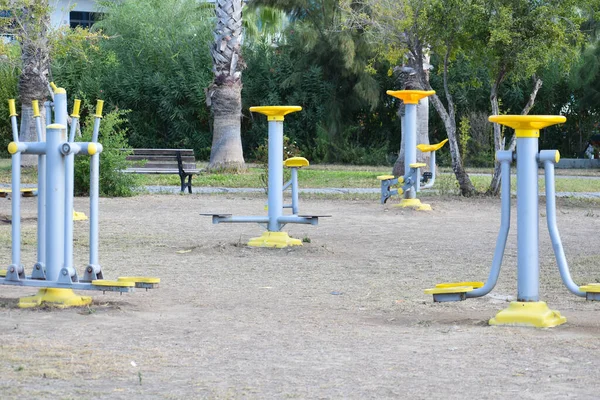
(224, 95)
(226, 151)
(464, 182)
(33, 81)
(499, 141)
(448, 116)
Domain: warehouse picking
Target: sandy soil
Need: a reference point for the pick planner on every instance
(344, 316)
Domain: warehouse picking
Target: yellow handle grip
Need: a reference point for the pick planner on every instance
(53, 86)
(99, 106)
(36, 108)
(76, 106)
(12, 108)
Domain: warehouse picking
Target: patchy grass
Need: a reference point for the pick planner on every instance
(341, 176)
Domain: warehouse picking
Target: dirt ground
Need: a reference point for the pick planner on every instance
(344, 316)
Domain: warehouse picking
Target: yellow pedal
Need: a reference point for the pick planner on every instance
(455, 291)
(138, 279)
(104, 282)
(417, 165)
(385, 177)
(426, 148)
(449, 289)
(27, 192)
(296, 162)
(476, 285)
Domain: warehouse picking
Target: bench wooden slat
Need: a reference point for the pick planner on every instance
(184, 152)
(173, 158)
(158, 165)
(164, 161)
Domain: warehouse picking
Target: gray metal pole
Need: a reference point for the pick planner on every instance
(275, 197)
(41, 197)
(409, 133)
(16, 188)
(56, 134)
(294, 191)
(528, 270)
(94, 197)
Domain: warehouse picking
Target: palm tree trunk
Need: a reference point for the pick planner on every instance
(224, 95)
(33, 81)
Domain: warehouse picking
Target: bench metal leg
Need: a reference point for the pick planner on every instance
(185, 184)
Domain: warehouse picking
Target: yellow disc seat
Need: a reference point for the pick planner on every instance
(426, 148)
(417, 165)
(296, 162)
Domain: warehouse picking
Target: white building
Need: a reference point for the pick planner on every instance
(73, 13)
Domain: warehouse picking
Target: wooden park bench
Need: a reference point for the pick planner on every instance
(165, 161)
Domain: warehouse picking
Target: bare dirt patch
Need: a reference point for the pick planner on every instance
(344, 316)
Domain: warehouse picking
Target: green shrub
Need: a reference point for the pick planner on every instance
(113, 181)
(9, 77)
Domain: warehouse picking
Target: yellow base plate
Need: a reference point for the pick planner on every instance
(61, 298)
(535, 314)
(79, 216)
(274, 239)
(415, 204)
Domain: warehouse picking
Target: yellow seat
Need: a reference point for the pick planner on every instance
(426, 148)
(449, 290)
(296, 162)
(417, 165)
(2, 272)
(385, 177)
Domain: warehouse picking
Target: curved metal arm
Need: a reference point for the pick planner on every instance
(559, 253)
(505, 158)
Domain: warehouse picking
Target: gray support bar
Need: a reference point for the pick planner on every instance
(275, 197)
(41, 205)
(295, 191)
(528, 269)
(409, 136)
(55, 202)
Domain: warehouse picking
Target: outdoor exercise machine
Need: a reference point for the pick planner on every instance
(275, 220)
(412, 181)
(54, 271)
(528, 310)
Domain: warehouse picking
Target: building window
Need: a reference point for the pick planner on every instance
(83, 18)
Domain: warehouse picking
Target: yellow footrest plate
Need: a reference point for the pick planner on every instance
(138, 279)
(417, 165)
(296, 162)
(103, 282)
(589, 288)
(476, 285)
(27, 192)
(454, 287)
(385, 177)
